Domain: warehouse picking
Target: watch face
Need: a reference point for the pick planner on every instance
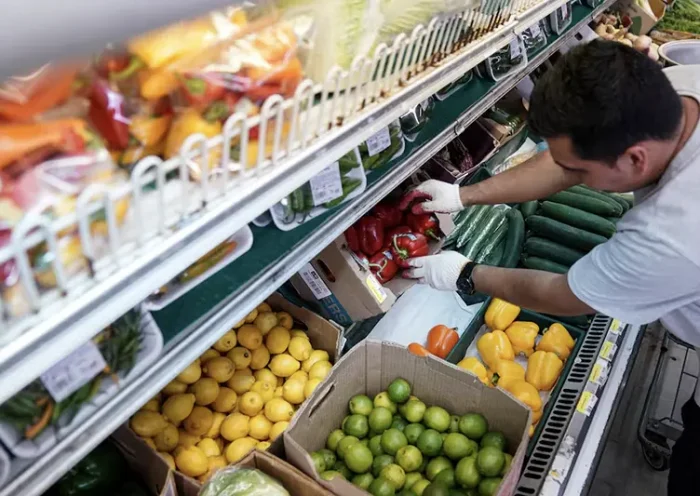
(464, 281)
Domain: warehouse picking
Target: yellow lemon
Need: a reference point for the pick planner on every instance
(174, 387)
(320, 370)
(263, 446)
(185, 439)
(215, 429)
(205, 391)
(265, 321)
(235, 426)
(151, 444)
(260, 427)
(263, 307)
(151, 406)
(240, 357)
(220, 369)
(250, 337)
(279, 392)
(226, 342)
(250, 403)
(316, 356)
(261, 357)
(245, 371)
(293, 392)
(215, 463)
(280, 381)
(300, 348)
(192, 461)
(250, 318)
(298, 333)
(178, 407)
(278, 410)
(277, 340)
(240, 448)
(199, 422)
(266, 375)
(225, 401)
(310, 386)
(208, 355)
(299, 375)
(277, 429)
(284, 365)
(167, 439)
(285, 320)
(265, 389)
(209, 447)
(169, 460)
(191, 374)
(241, 383)
(240, 323)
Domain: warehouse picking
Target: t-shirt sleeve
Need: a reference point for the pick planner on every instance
(634, 278)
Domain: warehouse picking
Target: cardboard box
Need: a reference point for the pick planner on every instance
(368, 369)
(642, 21)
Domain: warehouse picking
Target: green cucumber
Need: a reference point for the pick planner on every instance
(564, 234)
(628, 197)
(496, 256)
(460, 220)
(480, 213)
(587, 203)
(623, 203)
(491, 243)
(538, 263)
(578, 218)
(529, 208)
(514, 238)
(545, 248)
(582, 189)
(495, 218)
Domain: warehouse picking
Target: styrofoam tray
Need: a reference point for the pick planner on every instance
(151, 346)
(244, 241)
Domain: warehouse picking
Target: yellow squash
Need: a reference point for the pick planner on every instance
(543, 369)
(473, 365)
(500, 314)
(494, 346)
(557, 340)
(522, 336)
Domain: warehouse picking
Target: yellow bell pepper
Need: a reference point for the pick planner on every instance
(149, 131)
(500, 314)
(187, 123)
(157, 83)
(506, 369)
(494, 346)
(557, 340)
(536, 416)
(522, 336)
(543, 369)
(473, 365)
(523, 391)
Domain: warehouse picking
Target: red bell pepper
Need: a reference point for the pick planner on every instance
(391, 233)
(351, 239)
(407, 246)
(107, 114)
(424, 224)
(383, 266)
(390, 215)
(370, 233)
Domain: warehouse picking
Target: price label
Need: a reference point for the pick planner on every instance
(564, 11)
(607, 351)
(616, 326)
(514, 48)
(379, 142)
(535, 30)
(376, 288)
(314, 282)
(74, 371)
(586, 403)
(327, 185)
(599, 373)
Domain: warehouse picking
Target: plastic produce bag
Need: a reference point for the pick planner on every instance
(534, 38)
(382, 147)
(560, 19)
(232, 481)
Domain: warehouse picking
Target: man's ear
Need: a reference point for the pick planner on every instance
(635, 157)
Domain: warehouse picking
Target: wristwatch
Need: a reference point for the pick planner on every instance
(465, 284)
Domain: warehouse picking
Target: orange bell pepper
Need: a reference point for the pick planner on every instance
(557, 340)
(418, 349)
(441, 340)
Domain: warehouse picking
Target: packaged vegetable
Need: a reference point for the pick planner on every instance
(560, 19)
(415, 119)
(451, 88)
(534, 38)
(504, 61)
(382, 147)
(233, 481)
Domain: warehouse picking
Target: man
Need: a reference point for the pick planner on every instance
(615, 121)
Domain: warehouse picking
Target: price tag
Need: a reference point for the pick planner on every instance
(379, 142)
(376, 288)
(564, 12)
(535, 30)
(607, 351)
(616, 326)
(424, 104)
(326, 185)
(314, 282)
(586, 403)
(514, 48)
(74, 371)
(599, 373)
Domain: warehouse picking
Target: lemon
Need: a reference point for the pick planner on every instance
(277, 429)
(192, 461)
(174, 387)
(300, 348)
(205, 391)
(263, 445)
(199, 422)
(285, 320)
(280, 381)
(185, 439)
(150, 443)
(284, 365)
(241, 383)
(169, 460)
(250, 403)
(250, 337)
(191, 374)
(209, 447)
(263, 307)
(277, 340)
(220, 369)
(240, 323)
(261, 357)
(310, 386)
(215, 429)
(240, 357)
(293, 392)
(225, 401)
(265, 321)
(226, 342)
(151, 406)
(235, 426)
(320, 370)
(250, 318)
(217, 462)
(299, 375)
(265, 389)
(278, 410)
(279, 392)
(260, 427)
(298, 333)
(178, 407)
(240, 448)
(245, 371)
(208, 355)
(167, 439)
(266, 375)
(316, 356)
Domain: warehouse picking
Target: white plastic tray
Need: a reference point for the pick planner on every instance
(244, 240)
(151, 346)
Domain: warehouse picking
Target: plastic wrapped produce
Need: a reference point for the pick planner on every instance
(560, 19)
(508, 59)
(233, 481)
(415, 119)
(534, 38)
(382, 147)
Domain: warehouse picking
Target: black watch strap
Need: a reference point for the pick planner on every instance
(465, 284)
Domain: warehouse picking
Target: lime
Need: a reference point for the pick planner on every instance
(473, 425)
(446, 477)
(413, 432)
(364, 442)
(394, 474)
(406, 492)
(466, 473)
(454, 423)
(430, 442)
(475, 447)
(412, 478)
(339, 466)
(413, 410)
(393, 440)
(380, 419)
(457, 446)
(381, 487)
(409, 458)
(319, 462)
(330, 475)
(375, 445)
(398, 423)
(328, 457)
(380, 462)
(490, 461)
(506, 465)
(334, 438)
(459, 492)
(399, 391)
(495, 439)
(435, 466)
(382, 399)
(356, 425)
(489, 486)
(437, 418)
(360, 404)
(426, 460)
(358, 458)
(419, 487)
(444, 436)
(363, 480)
(436, 489)
(344, 444)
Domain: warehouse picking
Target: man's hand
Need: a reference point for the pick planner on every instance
(439, 271)
(442, 197)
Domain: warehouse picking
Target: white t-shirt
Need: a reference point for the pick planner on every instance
(650, 269)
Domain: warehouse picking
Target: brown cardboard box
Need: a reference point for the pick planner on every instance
(642, 21)
(368, 369)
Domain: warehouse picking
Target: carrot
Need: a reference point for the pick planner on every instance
(33, 430)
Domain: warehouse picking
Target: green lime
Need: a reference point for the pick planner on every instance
(382, 399)
(319, 461)
(330, 475)
(360, 404)
(419, 487)
(363, 480)
(436, 489)
(398, 423)
(381, 487)
(443, 435)
(475, 447)
(356, 425)
(435, 466)
(393, 440)
(489, 487)
(457, 446)
(409, 458)
(358, 458)
(446, 477)
(364, 442)
(490, 461)
(454, 423)
(507, 464)
(473, 425)
(466, 473)
(413, 410)
(380, 462)
(334, 438)
(426, 460)
(375, 445)
(412, 478)
(437, 418)
(339, 466)
(344, 444)
(380, 419)
(495, 439)
(394, 474)
(399, 391)
(430, 442)
(406, 492)
(413, 432)
(328, 457)
(459, 492)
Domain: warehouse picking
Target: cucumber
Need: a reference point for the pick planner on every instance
(538, 263)
(529, 208)
(496, 256)
(545, 248)
(514, 238)
(480, 213)
(587, 203)
(582, 189)
(570, 236)
(495, 219)
(491, 242)
(578, 218)
(623, 203)
(460, 221)
(628, 197)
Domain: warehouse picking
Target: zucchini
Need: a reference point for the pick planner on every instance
(587, 203)
(495, 218)
(480, 213)
(529, 208)
(494, 240)
(538, 263)
(570, 236)
(545, 248)
(514, 238)
(578, 218)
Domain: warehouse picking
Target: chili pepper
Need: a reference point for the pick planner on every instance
(419, 350)
(392, 233)
(441, 340)
(135, 64)
(383, 266)
(33, 430)
(557, 340)
(107, 114)
(500, 314)
(349, 185)
(494, 346)
(426, 224)
(390, 215)
(370, 232)
(523, 391)
(352, 239)
(347, 163)
(522, 336)
(473, 365)
(543, 369)
(207, 261)
(406, 246)
(506, 369)
(203, 90)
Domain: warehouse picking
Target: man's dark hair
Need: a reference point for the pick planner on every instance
(605, 97)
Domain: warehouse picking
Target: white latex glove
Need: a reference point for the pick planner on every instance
(440, 271)
(442, 197)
